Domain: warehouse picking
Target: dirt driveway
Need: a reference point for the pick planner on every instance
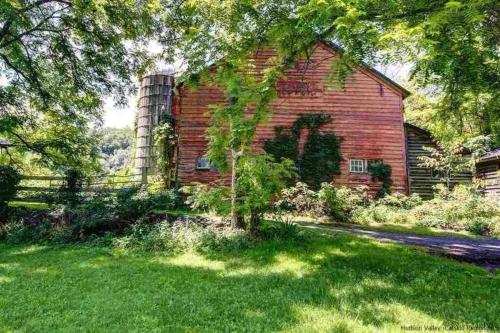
(484, 253)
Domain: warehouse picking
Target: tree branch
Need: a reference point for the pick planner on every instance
(31, 147)
(35, 28)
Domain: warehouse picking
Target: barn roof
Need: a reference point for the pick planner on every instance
(418, 129)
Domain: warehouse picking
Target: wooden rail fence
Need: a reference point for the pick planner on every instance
(32, 188)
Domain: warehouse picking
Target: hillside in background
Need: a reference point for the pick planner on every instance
(116, 148)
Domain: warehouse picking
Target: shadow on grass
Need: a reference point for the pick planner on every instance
(338, 283)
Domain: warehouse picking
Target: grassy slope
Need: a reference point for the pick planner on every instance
(341, 284)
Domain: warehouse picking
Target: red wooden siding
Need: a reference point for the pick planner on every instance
(367, 115)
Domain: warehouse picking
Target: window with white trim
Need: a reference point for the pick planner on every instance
(203, 163)
(357, 166)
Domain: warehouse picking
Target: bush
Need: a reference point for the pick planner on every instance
(26, 226)
(281, 229)
(211, 199)
(181, 236)
(70, 192)
(400, 200)
(339, 203)
(299, 199)
(102, 213)
(9, 178)
(377, 212)
(463, 208)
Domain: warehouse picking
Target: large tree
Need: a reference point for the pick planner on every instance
(454, 49)
(59, 58)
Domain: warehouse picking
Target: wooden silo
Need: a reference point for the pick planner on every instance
(155, 104)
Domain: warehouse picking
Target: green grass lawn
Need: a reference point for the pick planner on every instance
(338, 283)
(30, 205)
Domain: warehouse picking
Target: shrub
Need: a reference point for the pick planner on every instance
(400, 200)
(211, 199)
(463, 208)
(377, 212)
(299, 199)
(115, 212)
(70, 192)
(9, 178)
(282, 229)
(339, 203)
(102, 213)
(27, 226)
(224, 239)
(181, 236)
(480, 226)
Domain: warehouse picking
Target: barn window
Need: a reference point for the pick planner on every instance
(203, 163)
(357, 166)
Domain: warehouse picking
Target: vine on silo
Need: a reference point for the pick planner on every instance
(164, 141)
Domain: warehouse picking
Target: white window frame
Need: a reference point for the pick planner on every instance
(355, 168)
(203, 163)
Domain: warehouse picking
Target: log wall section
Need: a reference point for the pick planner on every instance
(421, 180)
(489, 173)
(367, 116)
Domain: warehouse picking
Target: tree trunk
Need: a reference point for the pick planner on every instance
(254, 224)
(448, 180)
(234, 212)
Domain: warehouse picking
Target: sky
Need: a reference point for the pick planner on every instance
(121, 117)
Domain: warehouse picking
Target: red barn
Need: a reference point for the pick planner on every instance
(367, 116)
